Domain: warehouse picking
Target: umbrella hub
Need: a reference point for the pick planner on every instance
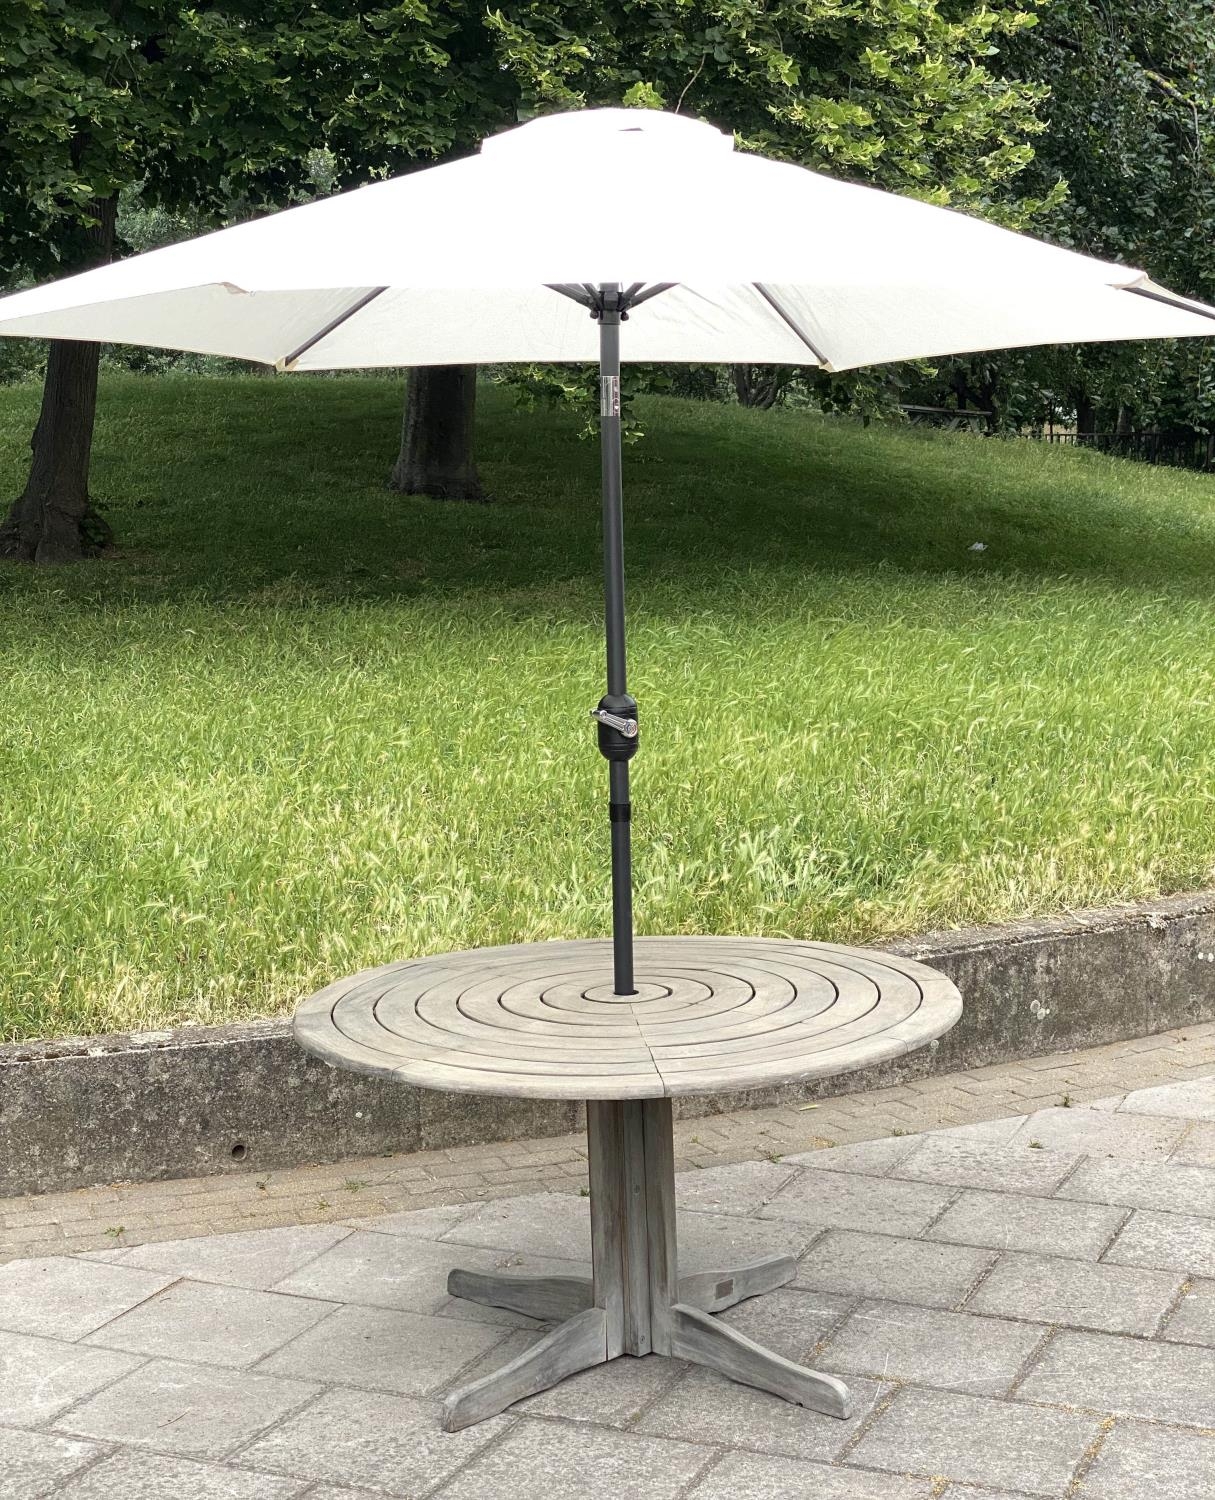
(584, 133)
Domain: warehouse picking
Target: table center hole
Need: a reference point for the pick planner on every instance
(645, 991)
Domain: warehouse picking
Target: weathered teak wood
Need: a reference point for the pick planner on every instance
(714, 1291)
(658, 1146)
(697, 1337)
(543, 1020)
(551, 1298)
(643, 1303)
(545, 1297)
(605, 1148)
(576, 1344)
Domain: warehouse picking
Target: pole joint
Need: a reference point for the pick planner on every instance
(608, 304)
(618, 729)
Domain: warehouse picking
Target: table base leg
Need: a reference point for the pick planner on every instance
(552, 1298)
(714, 1291)
(635, 1303)
(543, 1297)
(697, 1337)
(574, 1345)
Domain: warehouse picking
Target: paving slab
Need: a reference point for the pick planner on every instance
(1136, 1462)
(892, 1269)
(741, 1188)
(1078, 1294)
(256, 1258)
(555, 1225)
(1196, 1147)
(985, 1130)
(1097, 1133)
(1008, 1221)
(461, 1311)
(754, 1476)
(390, 1270)
(790, 1322)
(215, 1325)
(949, 1351)
(1193, 1100)
(61, 1298)
(611, 1395)
(1132, 1184)
(871, 1158)
(418, 1223)
(707, 1408)
(390, 1444)
(978, 1440)
(1126, 1377)
(31, 1463)
(849, 1200)
(968, 1492)
(583, 1463)
(403, 1353)
(333, 1492)
(151, 1476)
(196, 1410)
(39, 1378)
(986, 1164)
(1178, 1242)
(1194, 1320)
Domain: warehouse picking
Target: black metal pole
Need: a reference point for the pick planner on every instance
(618, 739)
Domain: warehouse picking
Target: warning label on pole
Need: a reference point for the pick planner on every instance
(609, 395)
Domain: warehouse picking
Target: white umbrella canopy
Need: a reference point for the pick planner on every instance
(764, 262)
(713, 255)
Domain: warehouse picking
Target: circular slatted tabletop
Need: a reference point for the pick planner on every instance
(710, 1014)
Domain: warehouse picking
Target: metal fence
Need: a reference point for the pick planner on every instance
(1177, 450)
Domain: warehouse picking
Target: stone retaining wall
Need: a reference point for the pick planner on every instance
(199, 1100)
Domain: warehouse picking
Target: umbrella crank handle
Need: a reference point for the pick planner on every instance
(627, 727)
(616, 715)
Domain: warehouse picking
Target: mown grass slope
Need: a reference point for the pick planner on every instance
(301, 725)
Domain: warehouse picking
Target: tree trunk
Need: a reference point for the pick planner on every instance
(436, 456)
(1086, 415)
(757, 385)
(53, 521)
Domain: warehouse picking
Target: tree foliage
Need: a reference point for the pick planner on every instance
(201, 106)
(891, 91)
(1130, 128)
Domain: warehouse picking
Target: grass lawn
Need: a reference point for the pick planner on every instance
(300, 725)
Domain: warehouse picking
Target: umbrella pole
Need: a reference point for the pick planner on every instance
(617, 711)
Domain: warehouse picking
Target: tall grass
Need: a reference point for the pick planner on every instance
(301, 725)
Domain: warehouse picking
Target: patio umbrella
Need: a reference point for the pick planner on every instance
(540, 246)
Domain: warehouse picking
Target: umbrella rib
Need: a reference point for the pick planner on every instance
(790, 322)
(1178, 302)
(333, 323)
(650, 291)
(572, 290)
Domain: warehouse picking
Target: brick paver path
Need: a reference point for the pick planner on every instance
(1023, 1306)
(130, 1214)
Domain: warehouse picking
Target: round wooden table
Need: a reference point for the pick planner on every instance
(709, 1015)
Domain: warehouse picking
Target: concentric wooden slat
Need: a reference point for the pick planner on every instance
(542, 1019)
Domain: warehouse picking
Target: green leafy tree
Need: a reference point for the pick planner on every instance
(1130, 119)
(200, 107)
